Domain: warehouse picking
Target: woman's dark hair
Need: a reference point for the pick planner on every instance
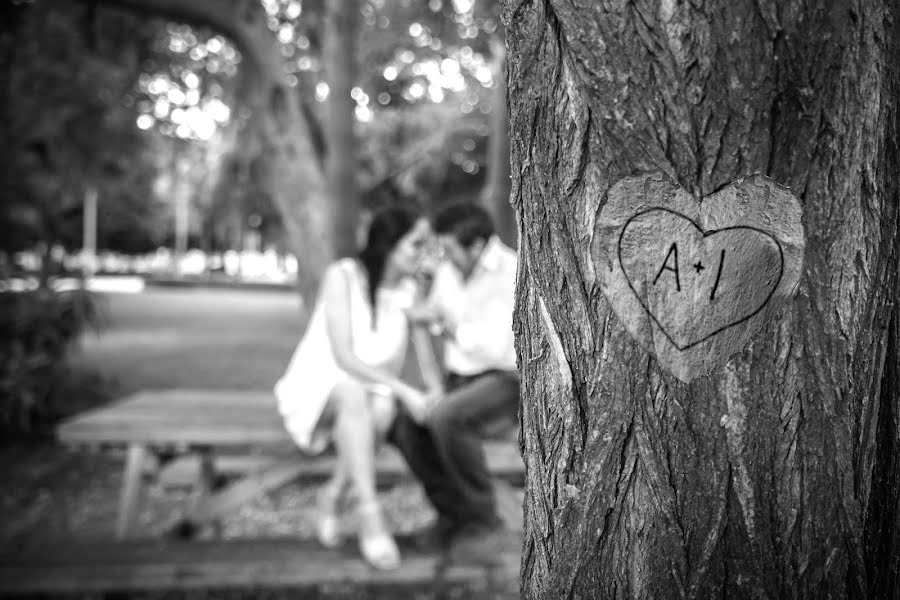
(386, 228)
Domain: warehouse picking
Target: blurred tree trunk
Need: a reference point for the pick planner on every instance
(496, 190)
(299, 186)
(89, 232)
(341, 29)
(777, 476)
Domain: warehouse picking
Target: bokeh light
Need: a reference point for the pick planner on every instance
(187, 99)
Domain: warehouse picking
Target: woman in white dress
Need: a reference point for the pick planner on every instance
(342, 381)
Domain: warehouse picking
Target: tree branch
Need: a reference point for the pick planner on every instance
(411, 158)
(243, 21)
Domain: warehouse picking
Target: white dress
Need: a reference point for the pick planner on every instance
(303, 390)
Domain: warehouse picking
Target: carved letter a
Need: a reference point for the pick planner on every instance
(665, 267)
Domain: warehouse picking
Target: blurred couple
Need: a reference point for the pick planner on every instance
(343, 386)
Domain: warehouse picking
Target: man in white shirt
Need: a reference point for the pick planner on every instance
(471, 307)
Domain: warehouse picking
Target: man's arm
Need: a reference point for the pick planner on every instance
(422, 342)
(432, 311)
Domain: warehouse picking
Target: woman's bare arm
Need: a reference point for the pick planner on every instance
(336, 296)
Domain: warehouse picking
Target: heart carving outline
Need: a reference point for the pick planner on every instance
(705, 234)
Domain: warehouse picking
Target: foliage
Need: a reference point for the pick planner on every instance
(240, 200)
(68, 119)
(423, 62)
(424, 97)
(425, 152)
(37, 330)
(101, 98)
(187, 81)
(184, 99)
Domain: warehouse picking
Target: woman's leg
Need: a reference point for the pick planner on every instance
(328, 528)
(333, 489)
(384, 413)
(354, 437)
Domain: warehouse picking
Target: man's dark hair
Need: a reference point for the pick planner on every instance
(465, 221)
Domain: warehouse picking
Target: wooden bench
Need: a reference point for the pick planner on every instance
(212, 427)
(129, 566)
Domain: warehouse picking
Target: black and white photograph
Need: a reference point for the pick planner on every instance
(450, 299)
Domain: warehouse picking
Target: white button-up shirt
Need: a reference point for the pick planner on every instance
(481, 309)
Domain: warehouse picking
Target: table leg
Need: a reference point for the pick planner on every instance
(207, 485)
(132, 480)
(215, 505)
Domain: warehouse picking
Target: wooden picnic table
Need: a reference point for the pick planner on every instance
(159, 426)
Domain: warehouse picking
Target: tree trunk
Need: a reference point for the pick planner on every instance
(299, 188)
(89, 233)
(496, 190)
(776, 476)
(342, 20)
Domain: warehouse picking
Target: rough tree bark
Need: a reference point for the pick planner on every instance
(777, 476)
(300, 188)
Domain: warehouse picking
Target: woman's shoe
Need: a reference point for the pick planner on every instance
(375, 542)
(328, 526)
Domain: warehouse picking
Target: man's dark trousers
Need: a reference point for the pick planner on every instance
(446, 453)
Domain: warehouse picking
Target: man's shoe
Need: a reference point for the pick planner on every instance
(484, 544)
(435, 538)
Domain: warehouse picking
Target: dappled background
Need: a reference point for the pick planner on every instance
(152, 116)
(175, 178)
(135, 144)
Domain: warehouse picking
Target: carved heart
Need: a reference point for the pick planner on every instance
(695, 284)
(693, 281)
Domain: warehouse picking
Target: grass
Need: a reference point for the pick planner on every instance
(221, 339)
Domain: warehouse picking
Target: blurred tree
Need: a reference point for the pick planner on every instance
(282, 86)
(422, 55)
(424, 152)
(241, 198)
(132, 218)
(186, 95)
(67, 124)
(277, 119)
(430, 64)
(339, 57)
